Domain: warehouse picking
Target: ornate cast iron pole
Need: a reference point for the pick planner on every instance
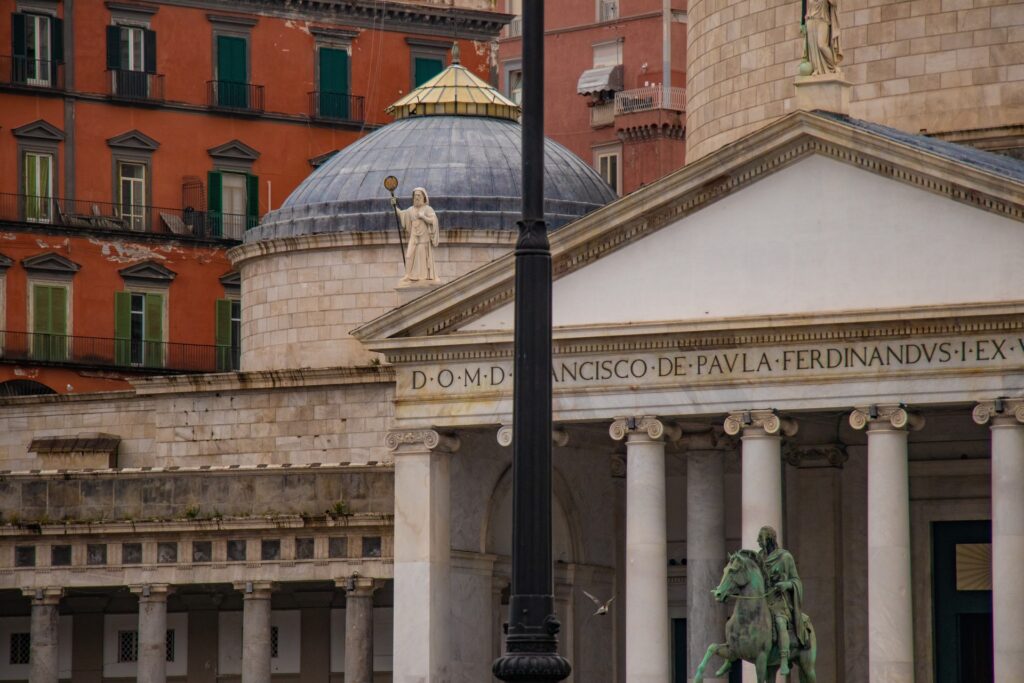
(532, 643)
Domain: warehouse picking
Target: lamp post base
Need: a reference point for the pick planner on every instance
(531, 666)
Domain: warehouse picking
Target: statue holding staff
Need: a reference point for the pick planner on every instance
(420, 223)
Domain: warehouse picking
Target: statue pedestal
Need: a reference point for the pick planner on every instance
(828, 92)
(407, 291)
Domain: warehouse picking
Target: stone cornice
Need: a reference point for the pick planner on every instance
(333, 240)
(263, 379)
(205, 470)
(693, 187)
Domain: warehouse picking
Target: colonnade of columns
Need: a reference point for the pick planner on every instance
(256, 631)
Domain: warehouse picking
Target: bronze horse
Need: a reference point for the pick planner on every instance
(748, 633)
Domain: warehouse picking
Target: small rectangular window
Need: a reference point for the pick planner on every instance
(131, 185)
(236, 551)
(607, 54)
(337, 546)
(304, 548)
(131, 553)
(608, 167)
(270, 550)
(167, 553)
(371, 546)
(96, 553)
(127, 646)
(21, 648)
(202, 551)
(38, 183)
(274, 641)
(36, 64)
(25, 556)
(170, 645)
(132, 53)
(60, 556)
(515, 86)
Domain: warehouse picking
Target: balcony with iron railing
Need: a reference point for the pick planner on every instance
(649, 98)
(235, 96)
(108, 352)
(84, 213)
(335, 106)
(136, 85)
(31, 73)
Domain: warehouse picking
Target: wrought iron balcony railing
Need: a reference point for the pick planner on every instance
(84, 213)
(58, 349)
(232, 95)
(136, 85)
(31, 72)
(335, 106)
(649, 98)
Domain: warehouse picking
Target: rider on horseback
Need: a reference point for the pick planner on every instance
(785, 593)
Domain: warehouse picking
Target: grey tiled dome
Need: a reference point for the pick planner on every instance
(470, 167)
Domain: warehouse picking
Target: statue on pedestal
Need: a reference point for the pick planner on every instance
(420, 223)
(821, 45)
(767, 627)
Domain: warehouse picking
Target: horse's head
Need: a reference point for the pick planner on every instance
(739, 571)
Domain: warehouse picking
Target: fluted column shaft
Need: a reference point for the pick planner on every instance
(44, 665)
(152, 664)
(890, 605)
(1007, 536)
(648, 653)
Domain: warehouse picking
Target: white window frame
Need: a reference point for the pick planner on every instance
(606, 152)
(607, 10)
(41, 27)
(136, 214)
(136, 38)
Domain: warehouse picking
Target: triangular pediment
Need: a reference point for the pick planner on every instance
(810, 217)
(5, 262)
(135, 140)
(39, 130)
(50, 262)
(235, 150)
(231, 280)
(148, 271)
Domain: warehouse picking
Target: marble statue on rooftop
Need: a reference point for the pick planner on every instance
(821, 25)
(420, 225)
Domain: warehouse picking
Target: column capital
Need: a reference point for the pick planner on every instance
(653, 427)
(1000, 412)
(152, 592)
(255, 590)
(559, 437)
(765, 419)
(359, 586)
(421, 440)
(44, 596)
(883, 417)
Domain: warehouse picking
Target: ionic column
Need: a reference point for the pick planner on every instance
(43, 656)
(890, 609)
(422, 554)
(705, 542)
(1007, 417)
(255, 630)
(152, 664)
(760, 470)
(648, 658)
(358, 629)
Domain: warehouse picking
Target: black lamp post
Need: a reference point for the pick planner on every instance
(532, 643)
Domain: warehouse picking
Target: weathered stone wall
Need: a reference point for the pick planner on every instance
(246, 421)
(932, 65)
(302, 296)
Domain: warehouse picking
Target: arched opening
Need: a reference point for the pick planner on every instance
(23, 387)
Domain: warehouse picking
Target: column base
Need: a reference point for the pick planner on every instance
(827, 92)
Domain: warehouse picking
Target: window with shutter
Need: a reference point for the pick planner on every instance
(334, 83)
(49, 322)
(139, 329)
(425, 68)
(228, 314)
(232, 72)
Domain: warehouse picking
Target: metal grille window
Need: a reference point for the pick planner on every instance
(96, 553)
(371, 546)
(60, 556)
(337, 546)
(21, 648)
(170, 645)
(274, 640)
(270, 550)
(167, 553)
(127, 646)
(131, 553)
(25, 556)
(304, 548)
(236, 551)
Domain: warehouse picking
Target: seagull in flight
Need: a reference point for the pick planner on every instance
(602, 607)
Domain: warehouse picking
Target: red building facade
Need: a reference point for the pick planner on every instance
(605, 93)
(138, 141)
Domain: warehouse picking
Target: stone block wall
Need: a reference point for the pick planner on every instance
(917, 65)
(301, 297)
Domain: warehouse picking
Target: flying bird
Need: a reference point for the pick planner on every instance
(602, 607)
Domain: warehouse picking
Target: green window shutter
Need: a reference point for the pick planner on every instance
(222, 334)
(232, 72)
(58, 323)
(252, 198)
(426, 68)
(334, 85)
(214, 202)
(40, 321)
(154, 332)
(114, 47)
(122, 327)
